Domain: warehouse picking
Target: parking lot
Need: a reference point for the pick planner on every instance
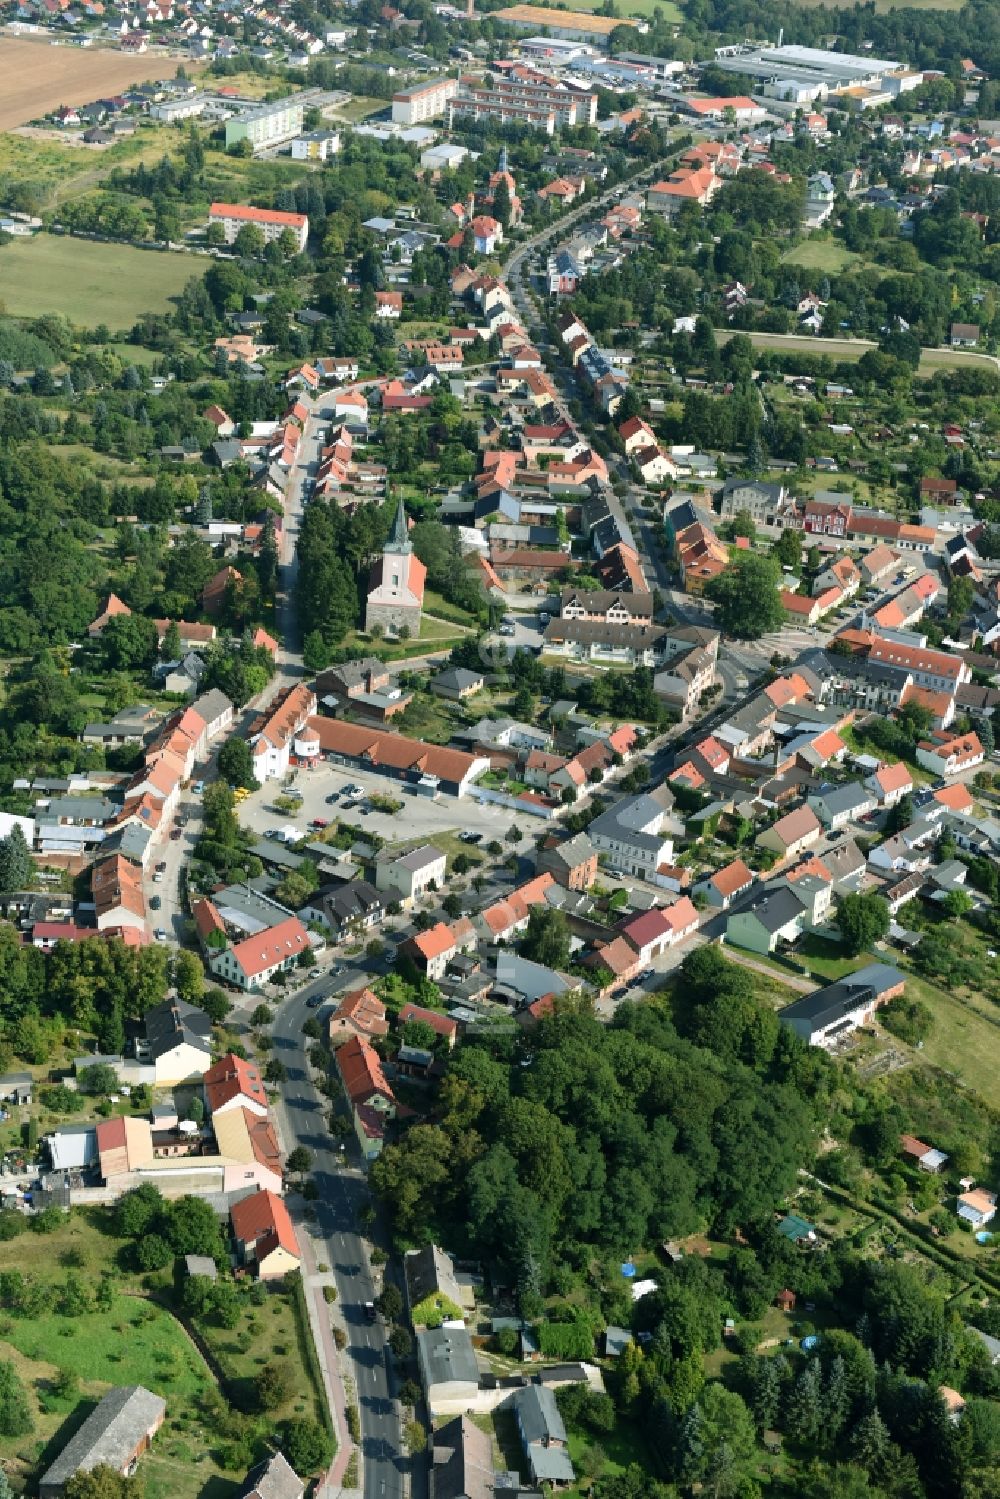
(419, 817)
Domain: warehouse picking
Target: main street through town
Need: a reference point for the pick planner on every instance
(337, 1241)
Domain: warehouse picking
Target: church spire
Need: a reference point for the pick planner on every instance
(399, 541)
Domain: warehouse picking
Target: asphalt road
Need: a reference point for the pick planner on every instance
(343, 1195)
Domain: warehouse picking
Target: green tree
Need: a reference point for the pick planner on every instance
(957, 903)
(863, 919)
(746, 599)
(103, 1482)
(249, 242)
(299, 1160)
(17, 867)
(189, 977)
(236, 763)
(390, 1303)
(307, 1446)
(15, 1412)
(547, 937)
(788, 549)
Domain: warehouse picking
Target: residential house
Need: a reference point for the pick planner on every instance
(273, 734)
(778, 916)
(442, 1026)
(977, 1206)
(572, 862)
(543, 1435)
(636, 833)
(178, 1041)
(950, 754)
(791, 834)
(359, 1013)
(346, 906)
(462, 1461)
(234, 1084)
(833, 1012)
(837, 806)
(264, 1237)
(409, 875)
(253, 962)
(889, 784)
(372, 1100)
(722, 887)
(274, 1478)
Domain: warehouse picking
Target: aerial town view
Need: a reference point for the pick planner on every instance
(499, 770)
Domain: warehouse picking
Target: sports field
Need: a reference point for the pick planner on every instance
(91, 283)
(35, 76)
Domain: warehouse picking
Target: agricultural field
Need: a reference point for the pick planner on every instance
(644, 8)
(90, 282)
(36, 76)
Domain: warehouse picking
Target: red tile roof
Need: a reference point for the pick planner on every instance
(360, 1068)
(440, 1024)
(262, 1220)
(732, 878)
(255, 955)
(257, 215)
(232, 1077)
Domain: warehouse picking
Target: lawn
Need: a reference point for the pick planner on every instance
(137, 1340)
(357, 108)
(821, 255)
(88, 282)
(442, 608)
(961, 1041)
(849, 350)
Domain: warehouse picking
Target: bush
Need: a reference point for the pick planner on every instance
(909, 1019)
(329, 1294)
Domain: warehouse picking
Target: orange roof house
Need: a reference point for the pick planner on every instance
(264, 1235)
(112, 609)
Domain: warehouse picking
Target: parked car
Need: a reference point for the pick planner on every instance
(319, 822)
(175, 834)
(161, 866)
(155, 903)
(158, 877)
(160, 934)
(198, 787)
(314, 1001)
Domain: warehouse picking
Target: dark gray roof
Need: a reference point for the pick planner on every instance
(176, 1023)
(346, 902)
(109, 1435)
(430, 1272)
(834, 1001)
(538, 1414)
(776, 909)
(447, 1355)
(211, 705)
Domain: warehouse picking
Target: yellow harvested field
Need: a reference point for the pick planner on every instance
(35, 76)
(572, 20)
